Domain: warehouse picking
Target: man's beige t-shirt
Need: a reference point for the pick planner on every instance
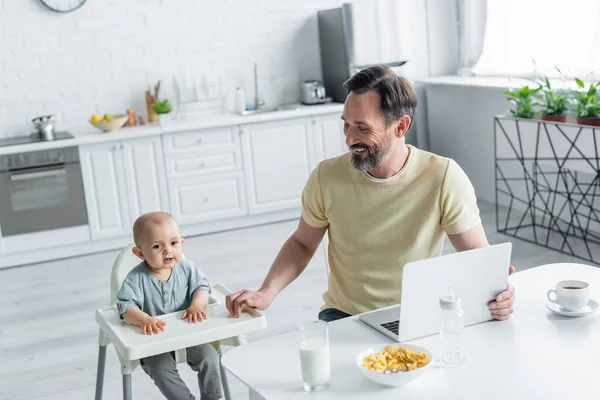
(376, 226)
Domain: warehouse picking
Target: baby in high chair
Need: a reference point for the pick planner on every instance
(165, 283)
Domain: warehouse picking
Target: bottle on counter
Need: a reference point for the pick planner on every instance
(240, 100)
(452, 348)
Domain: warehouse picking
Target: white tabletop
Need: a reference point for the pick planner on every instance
(179, 334)
(535, 354)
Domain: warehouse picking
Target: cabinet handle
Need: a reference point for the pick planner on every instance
(199, 141)
(116, 147)
(205, 200)
(202, 165)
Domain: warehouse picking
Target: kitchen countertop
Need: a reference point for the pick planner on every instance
(90, 135)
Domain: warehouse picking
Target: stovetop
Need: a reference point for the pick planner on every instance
(33, 138)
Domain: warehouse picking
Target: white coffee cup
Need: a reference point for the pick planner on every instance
(570, 295)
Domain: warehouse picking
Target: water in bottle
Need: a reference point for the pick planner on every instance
(452, 348)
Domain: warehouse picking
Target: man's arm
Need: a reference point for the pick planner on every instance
(291, 261)
(475, 238)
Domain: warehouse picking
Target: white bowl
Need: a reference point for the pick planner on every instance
(393, 379)
(115, 123)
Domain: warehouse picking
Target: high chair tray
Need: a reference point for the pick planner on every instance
(178, 334)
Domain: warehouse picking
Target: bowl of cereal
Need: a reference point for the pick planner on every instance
(394, 364)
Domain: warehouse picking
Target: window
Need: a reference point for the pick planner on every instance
(519, 33)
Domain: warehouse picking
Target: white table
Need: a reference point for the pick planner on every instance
(534, 355)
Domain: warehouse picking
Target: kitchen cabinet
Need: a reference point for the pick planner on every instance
(206, 179)
(277, 162)
(122, 180)
(208, 198)
(329, 139)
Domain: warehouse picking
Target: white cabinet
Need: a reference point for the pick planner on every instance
(277, 162)
(208, 198)
(206, 179)
(329, 137)
(145, 176)
(122, 180)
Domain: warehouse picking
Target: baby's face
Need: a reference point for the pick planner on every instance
(161, 245)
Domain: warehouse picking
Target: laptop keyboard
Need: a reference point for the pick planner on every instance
(392, 326)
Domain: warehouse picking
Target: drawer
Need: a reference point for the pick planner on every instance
(192, 165)
(209, 139)
(214, 198)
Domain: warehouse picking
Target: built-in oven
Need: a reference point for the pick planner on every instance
(41, 191)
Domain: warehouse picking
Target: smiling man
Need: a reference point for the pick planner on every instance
(383, 204)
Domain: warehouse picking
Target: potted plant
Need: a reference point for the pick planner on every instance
(163, 109)
(523, 101)
(587, 104)
(554, 104)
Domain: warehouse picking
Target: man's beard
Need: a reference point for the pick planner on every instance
(375, 156)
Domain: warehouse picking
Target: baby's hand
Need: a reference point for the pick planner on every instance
(151, 326)
(194, 313)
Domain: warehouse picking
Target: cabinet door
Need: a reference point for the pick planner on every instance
(277, 162)
(105, 190)
(145, 175)
(329, 137)
(208, 198)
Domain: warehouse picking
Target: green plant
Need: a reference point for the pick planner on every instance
(523, 101)
(162, 107)
(587, 102)
(552, 102)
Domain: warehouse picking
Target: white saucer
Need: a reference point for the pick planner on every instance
(592, 306)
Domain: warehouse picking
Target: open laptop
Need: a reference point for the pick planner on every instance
(477, 277)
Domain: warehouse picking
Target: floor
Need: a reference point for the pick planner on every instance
(48, 346)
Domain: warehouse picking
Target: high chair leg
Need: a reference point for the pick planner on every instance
(100, 371)
(224, 381)
(127, 387)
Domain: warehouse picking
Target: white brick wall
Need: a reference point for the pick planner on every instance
(102, 56)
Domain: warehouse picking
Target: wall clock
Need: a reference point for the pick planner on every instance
(63, 6)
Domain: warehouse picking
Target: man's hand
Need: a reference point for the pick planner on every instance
(150, 325)
(259, 300)
(502, 307)
(194, 313)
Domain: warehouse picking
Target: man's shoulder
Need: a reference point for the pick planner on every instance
(335, 165)
(431, 159)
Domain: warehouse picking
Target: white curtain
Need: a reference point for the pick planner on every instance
(528, 37)
(472, 20)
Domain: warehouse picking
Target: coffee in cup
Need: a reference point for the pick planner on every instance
(570, 295)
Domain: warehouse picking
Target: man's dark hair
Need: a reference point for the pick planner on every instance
(398, 98)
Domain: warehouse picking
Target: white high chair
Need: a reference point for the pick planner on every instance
(131, 345)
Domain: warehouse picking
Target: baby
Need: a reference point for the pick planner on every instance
(165, 283)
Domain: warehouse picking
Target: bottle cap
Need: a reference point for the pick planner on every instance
(449, 301)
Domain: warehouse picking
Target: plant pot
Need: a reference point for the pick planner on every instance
(164, 119)
(592, 121)
(554, 118)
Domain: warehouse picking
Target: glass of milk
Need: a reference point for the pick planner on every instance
(314, 355)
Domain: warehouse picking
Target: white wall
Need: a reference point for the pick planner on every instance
(102, 57)
(461, 126)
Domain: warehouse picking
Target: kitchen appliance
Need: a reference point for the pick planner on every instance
(33, 138)
(361, 34)
(313, 92)
(41, 190)
(44, 126)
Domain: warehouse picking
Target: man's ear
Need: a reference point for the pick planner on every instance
(182, 240)
(402, 126)
(138, 252)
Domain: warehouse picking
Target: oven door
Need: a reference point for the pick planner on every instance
(40, 199)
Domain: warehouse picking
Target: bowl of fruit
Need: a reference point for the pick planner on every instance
(108, 123)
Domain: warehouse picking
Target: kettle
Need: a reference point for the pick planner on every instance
(313, 92)
(44, 126)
